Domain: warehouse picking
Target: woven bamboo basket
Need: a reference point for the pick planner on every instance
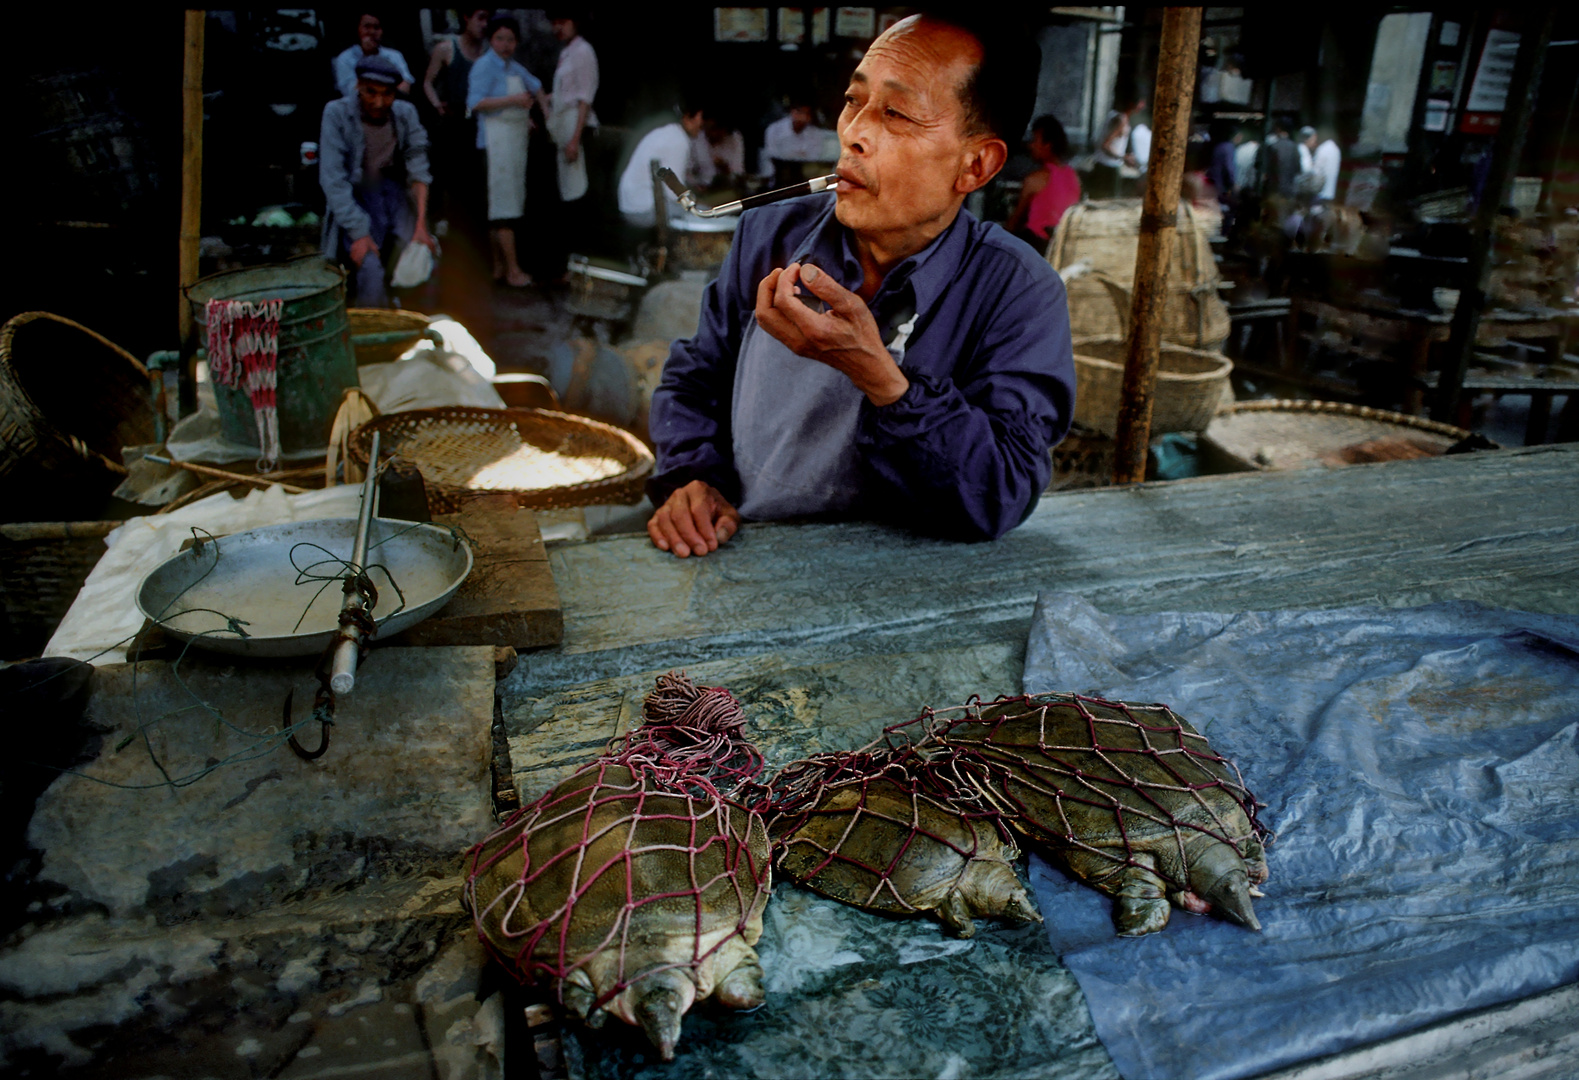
(1102, 235)
(70, 398)
(1190, 385)
(381, 321)
(545, 460)
(42, 567)
(1270, 435)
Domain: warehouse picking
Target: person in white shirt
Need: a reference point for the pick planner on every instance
(575, 85)
(1140, 145)
(1326, 162)
(668, 145)
(1307, 143)
(718, 156)
(793, 138)
(369, 42)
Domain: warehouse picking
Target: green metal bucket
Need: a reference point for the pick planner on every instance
(316, 363)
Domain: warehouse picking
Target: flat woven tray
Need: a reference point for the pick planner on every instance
(546, 460)
(1304, 434)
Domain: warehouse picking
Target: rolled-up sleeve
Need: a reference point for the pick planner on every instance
(966, 455)
(577, 79)
(418, 170)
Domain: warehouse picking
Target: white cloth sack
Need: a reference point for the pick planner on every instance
(414, 266)
(562, 128)
(505, 131)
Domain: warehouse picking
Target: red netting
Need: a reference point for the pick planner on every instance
(634, 865)
(1071, 770)
(689, 731)
(895, 828)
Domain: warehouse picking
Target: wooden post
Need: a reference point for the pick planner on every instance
(191, 183)
(1173, 96)
(1505, 154)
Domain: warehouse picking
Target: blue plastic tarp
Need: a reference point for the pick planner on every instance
(1421, 770)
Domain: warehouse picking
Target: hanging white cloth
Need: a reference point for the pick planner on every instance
(562, 128)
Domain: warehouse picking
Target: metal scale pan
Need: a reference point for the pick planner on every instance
(249, 577)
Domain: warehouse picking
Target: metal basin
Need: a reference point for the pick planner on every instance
(249, 577)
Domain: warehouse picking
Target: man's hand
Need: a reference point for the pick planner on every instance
(361, 248)
(845, 337)
(573, 149)
(420, 235)
(694, 521)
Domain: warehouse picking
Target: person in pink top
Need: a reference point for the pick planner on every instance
(1048, 192)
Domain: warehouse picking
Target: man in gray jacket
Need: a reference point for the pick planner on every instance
(371, 151)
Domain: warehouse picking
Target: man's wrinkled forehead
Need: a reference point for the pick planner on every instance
(921, 58)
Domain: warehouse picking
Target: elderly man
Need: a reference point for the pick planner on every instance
(372, 149)
(880, 353)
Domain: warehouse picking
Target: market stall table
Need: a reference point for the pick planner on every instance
(827, 632)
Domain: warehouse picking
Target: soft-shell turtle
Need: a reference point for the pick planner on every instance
(636, 897)
(1130, 797)
(880, 844)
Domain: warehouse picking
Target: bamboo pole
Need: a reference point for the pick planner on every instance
(191, 175)
(1173, 96)
(1505, 154)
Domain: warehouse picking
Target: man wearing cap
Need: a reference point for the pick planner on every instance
(369, 42)
(372, 150)
(880, 353)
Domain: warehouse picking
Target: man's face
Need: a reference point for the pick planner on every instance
(477, 22)
(800, 118)
(693, 123)
(370, 32)
(377, 98)
(565, 29)
(902, 131)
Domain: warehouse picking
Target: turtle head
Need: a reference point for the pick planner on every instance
(993, 888)
(659, 1002)
(1218, 876)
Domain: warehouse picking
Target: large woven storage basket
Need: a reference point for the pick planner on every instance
(545, 460)
(42, 567)
(1102, 235)
(1191, 384)
(69, 400)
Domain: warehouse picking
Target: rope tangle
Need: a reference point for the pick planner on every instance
(243, 343)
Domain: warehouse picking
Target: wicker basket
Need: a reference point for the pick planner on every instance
(42, 567)
(1103, 235)
(545, 460)
(1190, 386)
(69, 400)
(380, 321)
(1269, 435)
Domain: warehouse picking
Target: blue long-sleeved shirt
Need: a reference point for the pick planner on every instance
(488, 79)
(964, 452)
(341, 146)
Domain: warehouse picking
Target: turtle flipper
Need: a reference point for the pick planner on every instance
(956, 915)
(1141, 904)
(741, 987)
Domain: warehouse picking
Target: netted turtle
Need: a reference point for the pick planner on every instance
(1131, 798)
(636, 894)
(886, 832)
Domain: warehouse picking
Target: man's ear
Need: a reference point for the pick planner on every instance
(983, 157)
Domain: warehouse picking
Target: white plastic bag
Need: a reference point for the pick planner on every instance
(414, 266)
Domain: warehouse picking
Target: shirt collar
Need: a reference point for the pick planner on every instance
(831, 246)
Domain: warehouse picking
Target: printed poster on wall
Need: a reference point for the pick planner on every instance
(855, 22)
(792, 25)
(740, 24)
(1488, 94)
(819, 26)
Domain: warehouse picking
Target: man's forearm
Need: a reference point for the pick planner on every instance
(583, 110)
